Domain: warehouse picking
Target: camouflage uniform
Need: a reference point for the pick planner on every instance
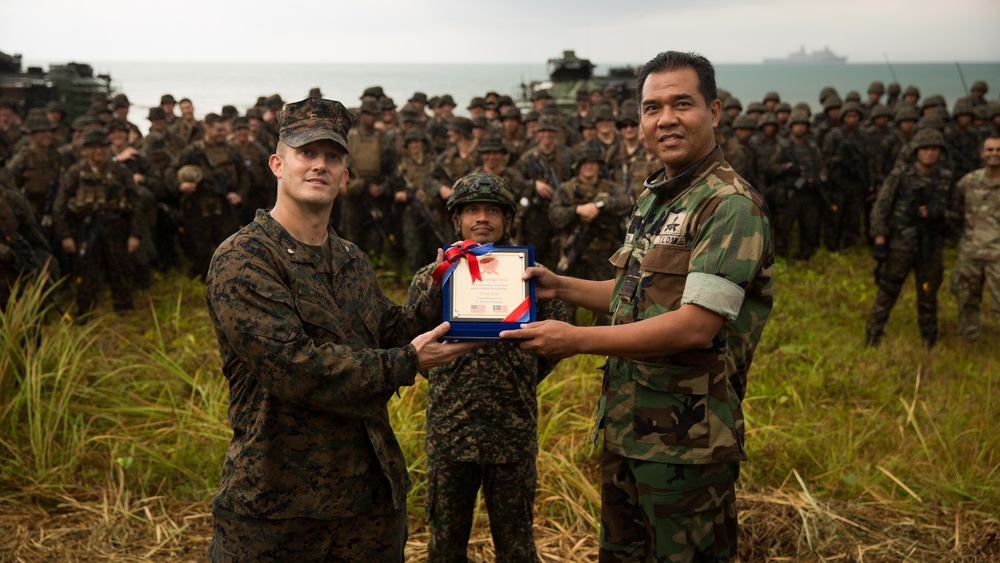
(673, 426)
(914, 243)
(845, 153)
(534, 165)
(262, 182)
(365, 217)
(207, 215)
(419, 240)
(977, 198)
(798, 172)
(18, 228)
(97, 210)
(482, 430)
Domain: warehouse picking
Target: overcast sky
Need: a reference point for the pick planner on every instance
(496, 31)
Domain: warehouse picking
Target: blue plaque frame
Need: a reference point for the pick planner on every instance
(490, 328)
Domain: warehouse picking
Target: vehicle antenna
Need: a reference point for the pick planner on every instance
(892, 72)
(965, 88)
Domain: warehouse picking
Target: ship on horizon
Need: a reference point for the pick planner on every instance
(826, 56)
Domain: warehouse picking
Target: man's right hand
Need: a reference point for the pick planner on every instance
(188, 187)
(431, 353)
(544, 190)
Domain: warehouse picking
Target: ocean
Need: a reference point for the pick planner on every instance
(212, 85)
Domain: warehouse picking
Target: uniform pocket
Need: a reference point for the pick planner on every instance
(671, 405)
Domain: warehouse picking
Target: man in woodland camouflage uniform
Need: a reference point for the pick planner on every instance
(909, 220)
(692, 293)
(976, 200)
(798, 172)
(312, 350)
(846, 156)
(482, 409)
(544, 166)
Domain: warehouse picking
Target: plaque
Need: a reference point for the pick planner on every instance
(483, 298)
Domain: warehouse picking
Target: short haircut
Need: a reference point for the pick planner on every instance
(676, 60)
(212, 119)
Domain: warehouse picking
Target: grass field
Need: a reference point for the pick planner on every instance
(112, 434)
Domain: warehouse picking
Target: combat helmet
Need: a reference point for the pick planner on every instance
(481, 187)
(932, 101)
(893, 89)
(36, 123)
(732, 102)
(756, 107)
(798, 116)
(772, 96)
(586, 152)
(783, 107)
(980, 85)
(876, 87)
(928, 137)
(832, 102)
(851, 107)
(767, 119)
(963, 106)
(905, 112)
(853, 96)
(491, 143)
(881, 110)
(744, 122)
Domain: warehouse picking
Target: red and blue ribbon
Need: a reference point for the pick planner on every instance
(470, 250)
(521, 314)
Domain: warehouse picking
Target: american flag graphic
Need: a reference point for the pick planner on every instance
(477, 308)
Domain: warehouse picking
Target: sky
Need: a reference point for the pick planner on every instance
(496, 31)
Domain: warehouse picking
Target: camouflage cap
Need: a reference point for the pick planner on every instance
(156, 113)
(274, 102)
(481, 187)
(373, 92)
(240, 123)
(35, 123)
(386, 104)
(547, 124)
(418, 97)
(481, 122)
(928, 137)
(461, 124)
(980, 85)
(491, 143)
(511, 113)
(154, 143)
(603, 113)
(905, 112)
(254, 113)
(532, 115)
(315, 92)
(167, 99)
(772, 96)
(417, 135)
(116, 124)
(314, 119)
(628, 113)
(369, 107)
(744, 122)
(798, 117)
(94, 136)
(409, 113)
(587, 122)
(85, 122)
(586, 152)
(876, 87)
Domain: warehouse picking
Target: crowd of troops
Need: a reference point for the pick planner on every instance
(109, 201)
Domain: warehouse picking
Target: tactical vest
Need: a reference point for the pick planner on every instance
(40, 173)
(366, 154)
(100, 193)
(219, 168)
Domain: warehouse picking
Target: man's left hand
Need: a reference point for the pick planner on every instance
(553, 339)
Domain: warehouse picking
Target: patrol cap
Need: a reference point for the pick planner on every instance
(511, 113)
(167, 99)
(314, 119)
(586, 152)
(240, 123)
(461, 124)
(481, 187)
(547, 124)
(418, 98)
(94, 136)
(603, 113)
(36, 123)
(491, 143)
(116, 124)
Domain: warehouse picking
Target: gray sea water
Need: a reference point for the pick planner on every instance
(212, 85)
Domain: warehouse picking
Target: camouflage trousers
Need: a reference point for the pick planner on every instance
(373, 537)
(905, 256)
(801, 207)
(967, 280)
(843, 217)
(667, 512)
(106, 255)
(509, 492)
(419, 243)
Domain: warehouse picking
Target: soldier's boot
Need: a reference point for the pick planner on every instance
(872, 338)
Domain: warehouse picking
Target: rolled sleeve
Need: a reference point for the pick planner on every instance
(716, 294)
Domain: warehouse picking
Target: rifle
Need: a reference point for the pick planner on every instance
(577, 243)
(46, 222)
(541, 171)
(424, 213)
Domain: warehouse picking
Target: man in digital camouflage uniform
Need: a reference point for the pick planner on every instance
(909, 220)
(690, 298)
(312, 350)
(482, 409)
(97, 222)
(544, 166)
(976, 199)
(35, 170)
